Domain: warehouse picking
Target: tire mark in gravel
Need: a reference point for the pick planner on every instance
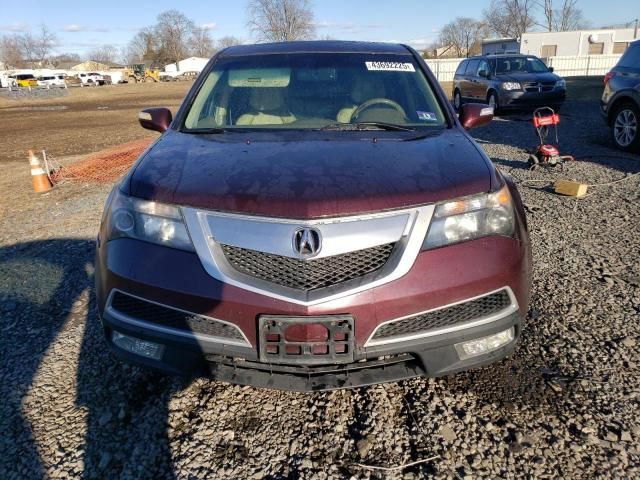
(378, 429)
(419, 442)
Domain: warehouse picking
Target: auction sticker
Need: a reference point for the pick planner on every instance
(390, 66)
(428, 116)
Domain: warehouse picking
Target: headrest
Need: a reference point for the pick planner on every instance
(266, 99)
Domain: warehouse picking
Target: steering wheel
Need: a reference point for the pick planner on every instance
(377, 101)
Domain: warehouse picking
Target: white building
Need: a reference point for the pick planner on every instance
(500, 45)
(191, 64)
(576, 43)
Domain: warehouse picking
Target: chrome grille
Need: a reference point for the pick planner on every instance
(460, 313)
(539, 86)
(311, 274)
(139, 309)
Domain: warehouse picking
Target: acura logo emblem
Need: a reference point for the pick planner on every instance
(307, 242)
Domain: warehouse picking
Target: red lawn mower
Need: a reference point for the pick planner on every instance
(544, 120)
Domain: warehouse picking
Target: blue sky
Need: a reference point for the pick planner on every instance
(84, 25)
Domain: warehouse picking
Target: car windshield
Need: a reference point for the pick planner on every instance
(26, 76)
(519, 65)
(313, 91)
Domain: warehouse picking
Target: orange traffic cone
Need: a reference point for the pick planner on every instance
(39, 177)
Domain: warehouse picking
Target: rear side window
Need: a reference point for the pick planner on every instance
(461, 67)
(472, 67)
(631, 58)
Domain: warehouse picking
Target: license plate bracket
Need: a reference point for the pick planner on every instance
(313, 340)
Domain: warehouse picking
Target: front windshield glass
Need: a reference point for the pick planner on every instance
(520, 65)
(309, 90)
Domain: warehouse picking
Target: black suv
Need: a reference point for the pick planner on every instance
(507, 81)
(620, 103)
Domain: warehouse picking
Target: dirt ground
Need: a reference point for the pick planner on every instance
(81, 120)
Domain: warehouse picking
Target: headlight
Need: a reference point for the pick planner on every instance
(148, 221)
(561, 84)
(471, 217)
(511, 86)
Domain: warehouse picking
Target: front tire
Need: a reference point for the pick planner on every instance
(457, 100)
(625, 127)
(492, 100)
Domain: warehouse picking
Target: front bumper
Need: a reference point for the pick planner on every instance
(432, 356)
(521, 99)
(439, 277)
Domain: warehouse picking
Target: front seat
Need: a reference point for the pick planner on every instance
(363, 90)
(268, 108)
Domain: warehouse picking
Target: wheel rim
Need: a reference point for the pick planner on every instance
(492, 101)
(456, 100)
(625, 128)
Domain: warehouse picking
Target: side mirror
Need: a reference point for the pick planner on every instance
(483, 73)
(550, 69)
(157, 119)
(474, 115)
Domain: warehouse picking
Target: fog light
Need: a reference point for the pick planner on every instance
(143, 348)
(480, 346)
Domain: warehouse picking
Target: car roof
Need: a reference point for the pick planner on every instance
(499, 55)
(315, 46)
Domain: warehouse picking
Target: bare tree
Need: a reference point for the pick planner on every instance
(28, 46)
(11, 51)
(228, 41)
(173, 30)
(547, 14)
(281, 20)
(41, 44)
(510, 18)
(106, 54)
(143, 47)
(567, 17)
(461, 34)
(202, 43)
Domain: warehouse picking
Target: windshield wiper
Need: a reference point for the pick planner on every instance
(204, 131)
(367, 126)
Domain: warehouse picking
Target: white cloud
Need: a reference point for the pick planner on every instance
(74, 28)
(209, 26)
(15, 27)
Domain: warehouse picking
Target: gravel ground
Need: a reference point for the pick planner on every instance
(564, 405)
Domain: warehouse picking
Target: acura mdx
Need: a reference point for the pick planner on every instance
(315, 216)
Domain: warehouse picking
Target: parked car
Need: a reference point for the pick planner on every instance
(314, 217)
(24, 80)
(168, 77)
(90, 78)
(73, 81)
(507, 82)
(56, 80)
(187, 76)
(7, 81)
(620, 102)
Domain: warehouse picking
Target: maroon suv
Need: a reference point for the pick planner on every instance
(314, 217)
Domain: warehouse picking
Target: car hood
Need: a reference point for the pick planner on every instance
(326, 174)
(529, 77)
